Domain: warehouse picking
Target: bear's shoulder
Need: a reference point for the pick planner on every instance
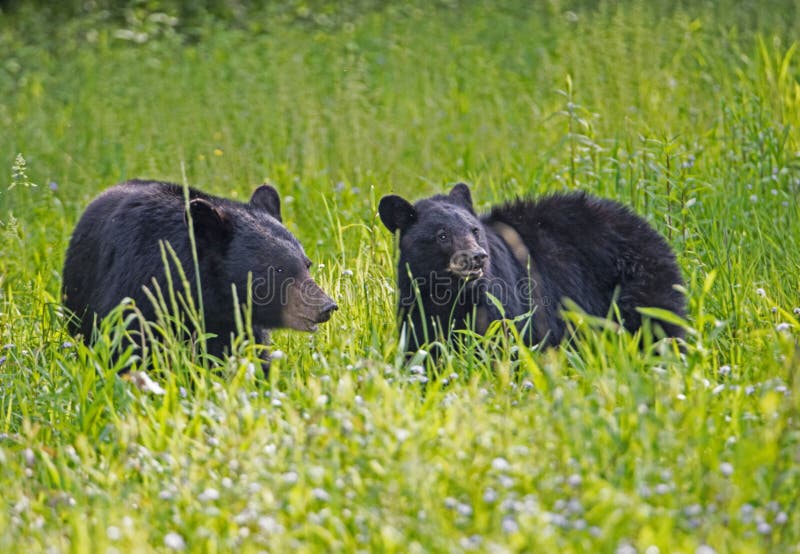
(163, 189)
(560, 209)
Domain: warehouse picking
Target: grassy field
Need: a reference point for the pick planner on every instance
(689, 114)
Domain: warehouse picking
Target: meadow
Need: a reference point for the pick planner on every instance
(687, 112)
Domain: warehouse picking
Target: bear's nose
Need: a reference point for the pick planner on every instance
(326, 312)
(479, 257)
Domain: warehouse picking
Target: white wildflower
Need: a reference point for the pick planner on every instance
(269, 525)
(574, 506)
(208, 495)
(506, 481)
(290, 477)
(693, 510)
(174, 541)
(22, 505)
(402, 435)
(510, 525)
(574, 480)
(500, 464)
(625, 548)
(464, 509)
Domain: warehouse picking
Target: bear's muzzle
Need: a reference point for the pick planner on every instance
(469, 264)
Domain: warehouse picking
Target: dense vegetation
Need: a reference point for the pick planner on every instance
(687, 112)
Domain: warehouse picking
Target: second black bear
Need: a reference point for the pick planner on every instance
(114, 253)
(530, 255)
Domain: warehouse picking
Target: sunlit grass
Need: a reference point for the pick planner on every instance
(688, 114)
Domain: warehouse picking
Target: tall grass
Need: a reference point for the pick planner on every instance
(687, 112)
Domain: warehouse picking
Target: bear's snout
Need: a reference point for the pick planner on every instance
(307, 305)
(469, 264)
(479, 258)
(326, 312)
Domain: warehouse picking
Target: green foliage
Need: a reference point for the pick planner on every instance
(688, 112)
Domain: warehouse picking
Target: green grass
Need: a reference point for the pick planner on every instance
(690, 114)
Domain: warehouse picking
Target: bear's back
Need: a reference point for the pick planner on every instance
(114, 249)
(579, 223)
(584, 248)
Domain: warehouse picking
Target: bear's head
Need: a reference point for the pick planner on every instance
(441, 238)
(243, 240)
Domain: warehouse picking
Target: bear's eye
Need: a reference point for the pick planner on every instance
(441, 235)
(308, 263)
(278, 270)
(476, 231)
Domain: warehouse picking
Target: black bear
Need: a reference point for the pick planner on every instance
(530, 256)
(114, 253)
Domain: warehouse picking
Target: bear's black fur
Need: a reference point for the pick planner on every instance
(531, 255)
(114, 253)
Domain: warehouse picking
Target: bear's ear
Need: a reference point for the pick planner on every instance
(396, 213)
(460, 195)
(209, 221)
(266, 198)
